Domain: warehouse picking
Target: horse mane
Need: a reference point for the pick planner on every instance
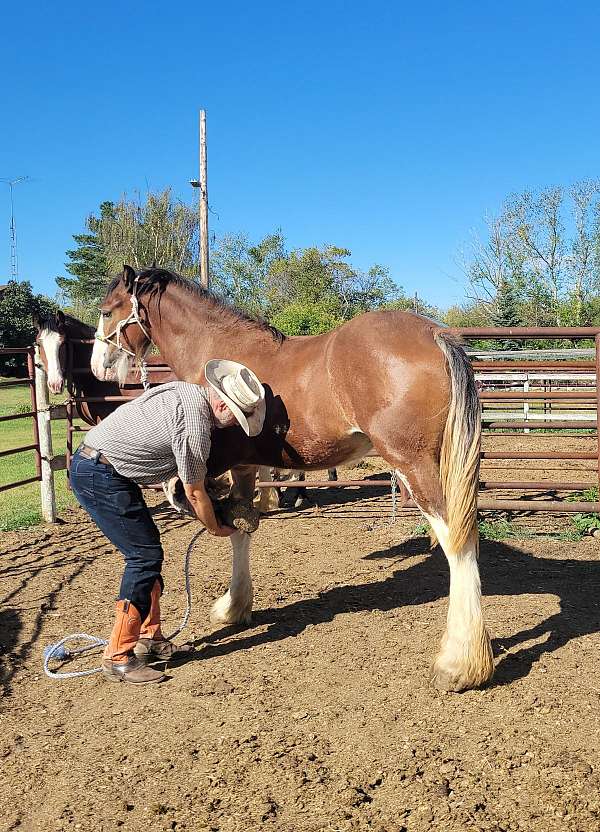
(155, 281)
(78, 328)
(75, 327)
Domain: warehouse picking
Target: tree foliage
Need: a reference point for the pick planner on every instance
(18, 305)
(304, 291)
(88, 265)
(543, 248)
(158, 229)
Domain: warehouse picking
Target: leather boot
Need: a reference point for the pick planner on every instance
(152, 646)
(119, 663)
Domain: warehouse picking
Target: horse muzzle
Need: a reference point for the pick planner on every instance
(55, 385)
(110, 359)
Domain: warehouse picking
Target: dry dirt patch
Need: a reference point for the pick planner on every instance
(319, 716)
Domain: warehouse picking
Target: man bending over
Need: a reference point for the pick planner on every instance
(163, 433)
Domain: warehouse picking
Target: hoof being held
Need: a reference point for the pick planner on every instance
(239, 514)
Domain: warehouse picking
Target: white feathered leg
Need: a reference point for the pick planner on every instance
(235, 607)
(465, 659)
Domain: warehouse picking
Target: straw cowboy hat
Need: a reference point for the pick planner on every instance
(241, 391)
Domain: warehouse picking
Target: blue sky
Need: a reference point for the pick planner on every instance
(388, 128)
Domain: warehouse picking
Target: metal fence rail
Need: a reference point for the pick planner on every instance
(586, 400)
(32, 414)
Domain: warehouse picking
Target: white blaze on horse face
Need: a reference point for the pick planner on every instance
(51, 341)
(99, 353)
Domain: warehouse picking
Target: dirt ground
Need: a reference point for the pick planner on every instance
(318, 716)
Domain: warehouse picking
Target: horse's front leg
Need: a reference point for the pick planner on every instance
(235, 606)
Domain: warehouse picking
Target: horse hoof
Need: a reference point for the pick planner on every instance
(230, 618)
(226, 611)
(448, 682)
(455, 681)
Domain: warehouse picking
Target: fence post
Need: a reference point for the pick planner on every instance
(45, 433)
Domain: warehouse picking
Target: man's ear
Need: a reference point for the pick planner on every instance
(129, 277)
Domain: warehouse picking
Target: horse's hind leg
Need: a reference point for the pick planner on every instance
(465, 656)
(269, 498)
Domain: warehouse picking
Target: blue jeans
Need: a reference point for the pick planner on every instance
(117, 507)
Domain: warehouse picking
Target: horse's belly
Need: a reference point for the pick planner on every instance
(319, 452)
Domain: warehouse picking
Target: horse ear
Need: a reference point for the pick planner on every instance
(35, 318)
(129, 277)
(60, 317)
(154, 264)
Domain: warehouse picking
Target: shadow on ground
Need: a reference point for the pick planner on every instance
(505, 571)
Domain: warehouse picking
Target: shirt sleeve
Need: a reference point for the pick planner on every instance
(191, 442)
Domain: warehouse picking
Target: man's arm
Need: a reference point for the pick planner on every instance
(203, 507)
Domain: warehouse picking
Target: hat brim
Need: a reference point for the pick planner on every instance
(251, 423)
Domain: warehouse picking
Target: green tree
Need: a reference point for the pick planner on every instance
(300, 318)
(239, 270)
(157, 229)
(506, 313)
(18, 304)
(88, 264)
(469, 314)
(282, 285)
(546, 245)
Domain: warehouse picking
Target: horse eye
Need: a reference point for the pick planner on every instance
(106, 314)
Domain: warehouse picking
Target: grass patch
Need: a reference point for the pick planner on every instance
(20, 507)
(585, 523)
(503, 529)
(590, 495)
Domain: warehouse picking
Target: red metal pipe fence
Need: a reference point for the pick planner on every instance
(548, 397)
(545, 396)
(32, 414)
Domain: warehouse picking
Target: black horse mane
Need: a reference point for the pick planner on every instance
(155, 280)
(77, 327)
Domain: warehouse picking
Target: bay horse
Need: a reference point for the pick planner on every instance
(389, 380)
(58, 334)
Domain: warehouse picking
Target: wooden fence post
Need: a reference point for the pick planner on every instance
(48, 496)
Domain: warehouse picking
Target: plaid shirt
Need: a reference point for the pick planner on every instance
(164, 432)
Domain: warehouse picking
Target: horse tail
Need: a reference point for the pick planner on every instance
(461, 444)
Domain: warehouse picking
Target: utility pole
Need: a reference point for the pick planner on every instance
(202, 183)
(14, 261)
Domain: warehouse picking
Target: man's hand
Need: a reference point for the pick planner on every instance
(203, 508)
(223, 531)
